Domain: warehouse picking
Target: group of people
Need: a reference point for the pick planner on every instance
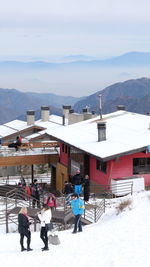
(35, 190)
(45, 216)
(77, 185)
(73, 190)
(24, 227)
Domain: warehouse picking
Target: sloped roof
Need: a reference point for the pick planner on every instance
(126, 132)
(17, 126)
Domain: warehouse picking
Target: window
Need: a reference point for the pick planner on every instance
(101, 166)
(141, 165)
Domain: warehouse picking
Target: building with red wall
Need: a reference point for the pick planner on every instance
(111, 147)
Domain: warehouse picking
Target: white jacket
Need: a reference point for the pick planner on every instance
(45, 216)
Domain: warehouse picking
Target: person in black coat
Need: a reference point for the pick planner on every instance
(16, 144)
(68, 190)
(23, 228)
(86, 183)
(35, 188)
(77, 181)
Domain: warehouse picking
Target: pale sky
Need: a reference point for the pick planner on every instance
(41, 28)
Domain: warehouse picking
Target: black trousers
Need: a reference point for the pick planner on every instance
(77, 223)
(44, 237)
(36, 201)
(28, 236)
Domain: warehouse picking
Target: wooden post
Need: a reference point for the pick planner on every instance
(32, 173)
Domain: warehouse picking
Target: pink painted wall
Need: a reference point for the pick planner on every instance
(121, 167)
(63, 156)
(97, 176)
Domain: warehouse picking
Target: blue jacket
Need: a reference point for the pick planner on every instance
(77, 206)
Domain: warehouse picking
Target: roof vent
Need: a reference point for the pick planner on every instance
(85, 110)
(71, 111)
(121, 107)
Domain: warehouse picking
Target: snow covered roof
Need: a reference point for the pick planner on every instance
(14, 127)
(17, 126)
(126, 133)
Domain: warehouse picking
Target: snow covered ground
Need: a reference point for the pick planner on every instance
(117, 240)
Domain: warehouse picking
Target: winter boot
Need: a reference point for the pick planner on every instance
(23, 249)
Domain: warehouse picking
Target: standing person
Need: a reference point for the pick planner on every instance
(44, 216)
(35, 194)
(50, 200)
(86, 183)
(77, 206)
(68, 190)
(77, 181)
(23, 228)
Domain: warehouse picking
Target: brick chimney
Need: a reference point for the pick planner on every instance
(45, 113)
(101, 126)
(66, 109)
(30, 117)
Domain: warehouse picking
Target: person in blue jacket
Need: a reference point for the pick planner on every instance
(77, 205)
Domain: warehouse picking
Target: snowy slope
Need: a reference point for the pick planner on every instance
(117, 240)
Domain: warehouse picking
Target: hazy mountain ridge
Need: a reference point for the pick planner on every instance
(128, 59)
(134, 94)
(14, 104)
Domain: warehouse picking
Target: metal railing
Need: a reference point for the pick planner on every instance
(93, 212)
(110, 191)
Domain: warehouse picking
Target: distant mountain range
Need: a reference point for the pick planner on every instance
(134, 94)
(76, 75)
(14, 104)
(130, 59)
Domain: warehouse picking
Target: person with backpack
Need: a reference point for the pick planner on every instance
(78, 207)
(50, 200)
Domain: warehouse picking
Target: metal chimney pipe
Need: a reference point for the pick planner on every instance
(100, 106)
(63, 120)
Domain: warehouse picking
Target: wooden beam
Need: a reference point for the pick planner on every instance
(29, 160)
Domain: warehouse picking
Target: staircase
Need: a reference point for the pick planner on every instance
(14, 198)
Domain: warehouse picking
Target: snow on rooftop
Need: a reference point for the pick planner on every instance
(125, 131)
(4, 131)
(15, 126)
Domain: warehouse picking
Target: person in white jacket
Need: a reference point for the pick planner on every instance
(45, 216)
